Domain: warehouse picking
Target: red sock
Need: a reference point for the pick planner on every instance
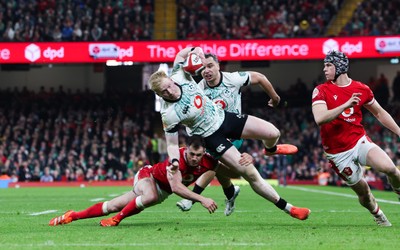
(128, 210)
(94, 211)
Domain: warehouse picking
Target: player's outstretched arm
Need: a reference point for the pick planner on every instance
(175, 181)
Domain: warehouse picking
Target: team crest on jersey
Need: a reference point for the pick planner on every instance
(315, 93)
(220, 103)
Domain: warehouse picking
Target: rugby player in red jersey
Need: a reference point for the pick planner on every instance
(153, 184)
(336, 106)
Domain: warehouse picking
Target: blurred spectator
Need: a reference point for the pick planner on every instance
(396, 87)
(72, 20)
(382, 90)
(46, 176)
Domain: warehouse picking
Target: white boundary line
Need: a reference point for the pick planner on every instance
(51, 243)
(43, 212)
(338, 194)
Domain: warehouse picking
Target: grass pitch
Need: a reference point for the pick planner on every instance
(337, 221)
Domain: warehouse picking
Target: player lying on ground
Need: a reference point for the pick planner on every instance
(153, 184)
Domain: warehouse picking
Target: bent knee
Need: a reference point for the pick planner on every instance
(150, 199)
(251, 174)
(112, 208)
(391, 171)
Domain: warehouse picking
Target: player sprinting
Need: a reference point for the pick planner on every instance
(224, 89)
(336, 106)
(184, 102)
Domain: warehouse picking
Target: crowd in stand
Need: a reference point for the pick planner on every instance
(64, 136)
(76, 20)
(252, 19)
(56, 135)
(130, 20)
(374, 18)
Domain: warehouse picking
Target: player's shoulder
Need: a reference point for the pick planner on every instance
(359, 84)
(209, 161)
(235, 77)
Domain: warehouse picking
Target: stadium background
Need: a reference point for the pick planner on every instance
(93, 122)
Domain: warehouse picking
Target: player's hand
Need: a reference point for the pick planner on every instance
(173, 168)
(246, 159)
(209, 204)
(354, 100)
(275, 102)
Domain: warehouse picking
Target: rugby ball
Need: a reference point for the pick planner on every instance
(193, 64)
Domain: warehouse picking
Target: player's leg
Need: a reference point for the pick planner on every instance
(96, 210)
(231, 191)
(368, 201)
(146, 196)
(256, 128)
(231, 158)
(201, 183)
(380, 161)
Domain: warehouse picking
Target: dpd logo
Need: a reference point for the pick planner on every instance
(32, 52)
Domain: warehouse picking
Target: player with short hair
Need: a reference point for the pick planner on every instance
(184, 102)
(336, 106)
(153, 184)
(224, 89)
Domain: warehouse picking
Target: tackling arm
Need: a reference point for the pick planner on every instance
(172, 140)
(175, 181)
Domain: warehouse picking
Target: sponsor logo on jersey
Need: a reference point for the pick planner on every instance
(335, 97)
(198, 102)
(348, 112)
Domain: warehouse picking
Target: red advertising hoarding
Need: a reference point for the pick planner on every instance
(227, 50)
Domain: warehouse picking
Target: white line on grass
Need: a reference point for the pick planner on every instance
(43, 212)
(216, 244)
(97, 199)
(338, 194)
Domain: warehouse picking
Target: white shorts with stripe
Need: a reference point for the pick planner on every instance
(348, 164)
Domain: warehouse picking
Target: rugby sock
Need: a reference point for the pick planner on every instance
(283, 205)
(133, 207)
(229, 192)
(94, 211)
(375, 211)
(271, 150)
(197, 189)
